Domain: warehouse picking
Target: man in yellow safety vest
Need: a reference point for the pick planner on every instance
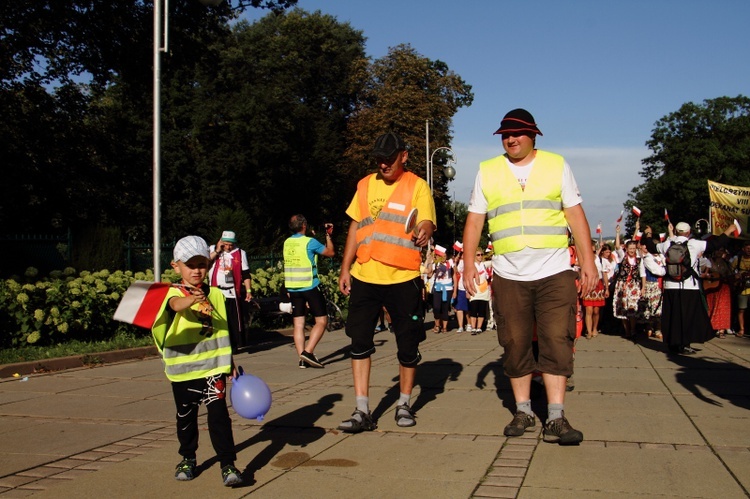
(530, 198)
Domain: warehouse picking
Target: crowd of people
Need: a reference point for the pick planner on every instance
(442, 273)
(634, 275)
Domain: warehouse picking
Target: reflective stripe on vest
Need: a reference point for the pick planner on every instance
(299, 271)
(531, 217)
(384, 238)
(190, 351)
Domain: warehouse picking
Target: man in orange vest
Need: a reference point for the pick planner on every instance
(380, 268)
(529, 198)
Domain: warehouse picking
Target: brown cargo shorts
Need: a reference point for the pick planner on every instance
(546, 307)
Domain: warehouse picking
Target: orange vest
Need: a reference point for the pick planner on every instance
(384, 239)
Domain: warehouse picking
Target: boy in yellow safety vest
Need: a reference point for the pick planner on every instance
(192, 334)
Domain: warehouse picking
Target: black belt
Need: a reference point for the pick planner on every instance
(225, 287)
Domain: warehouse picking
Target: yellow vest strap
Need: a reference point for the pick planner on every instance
(199, 365)
(529, 230)
(176, 351)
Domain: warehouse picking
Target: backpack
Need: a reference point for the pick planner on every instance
(678, 262)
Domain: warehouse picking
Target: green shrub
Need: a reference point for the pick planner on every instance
(66, 306)
(63, 307)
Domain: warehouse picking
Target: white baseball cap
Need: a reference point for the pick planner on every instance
(189, 247)
(229, 236)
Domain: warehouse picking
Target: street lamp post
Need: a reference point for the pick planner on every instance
(448, 170)
(161, 35)
(160, 45)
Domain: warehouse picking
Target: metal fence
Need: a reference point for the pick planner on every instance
(44, 252)
(53, 252)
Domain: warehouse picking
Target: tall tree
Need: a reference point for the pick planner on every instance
(697, 143)
(59, 56)
(267, 128)
(400, 92)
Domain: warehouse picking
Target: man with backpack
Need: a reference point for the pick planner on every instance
(684, 318)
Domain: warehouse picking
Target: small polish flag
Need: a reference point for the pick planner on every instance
(638, 236)
(637, 212)
(439, 250)
(662, 236)
(620, 219)
(141, 303)
(737, 229)
(666, 215)
(599, 229)
(458, 246)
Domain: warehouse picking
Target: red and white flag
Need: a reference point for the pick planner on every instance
(599, 228)
(737, 229)
(666, 215)
(636, 212)
(638, 236)
(141, 303)
(621, 214)
(662, 236)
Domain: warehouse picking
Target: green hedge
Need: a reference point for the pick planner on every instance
(65, 306)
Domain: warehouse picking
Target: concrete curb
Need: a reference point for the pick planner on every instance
(75, 361)
(88, 359)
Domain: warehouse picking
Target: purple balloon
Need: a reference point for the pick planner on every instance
(251, 397)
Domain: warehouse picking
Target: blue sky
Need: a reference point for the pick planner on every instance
(596, 75)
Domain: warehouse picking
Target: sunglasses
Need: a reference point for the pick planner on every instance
(478, 254)
(387, 160)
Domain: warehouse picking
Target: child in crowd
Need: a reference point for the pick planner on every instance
(192, 334)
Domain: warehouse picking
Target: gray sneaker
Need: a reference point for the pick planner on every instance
(559, 431)
(521, 423)
(230, 476)
(185, 470)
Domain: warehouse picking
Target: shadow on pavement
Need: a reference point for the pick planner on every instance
(504, 391)
(698, 374)
(295, 428)
(259, 340)
(431, 377)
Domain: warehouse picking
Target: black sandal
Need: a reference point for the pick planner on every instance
(356, 426)
(405, 416)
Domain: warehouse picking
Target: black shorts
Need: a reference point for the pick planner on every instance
(313, 298)
(404, 303)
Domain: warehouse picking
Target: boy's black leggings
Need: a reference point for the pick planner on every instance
(188, 396)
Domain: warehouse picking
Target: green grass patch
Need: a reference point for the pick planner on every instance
(29, 353)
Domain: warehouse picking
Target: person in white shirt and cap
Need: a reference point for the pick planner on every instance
(230, 272)
(684, 318)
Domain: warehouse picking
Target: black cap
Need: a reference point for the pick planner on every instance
(387, 145)
(518, 120)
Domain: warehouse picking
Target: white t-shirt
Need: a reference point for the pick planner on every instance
(607, 267)
(529, 264)
(460, 270)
